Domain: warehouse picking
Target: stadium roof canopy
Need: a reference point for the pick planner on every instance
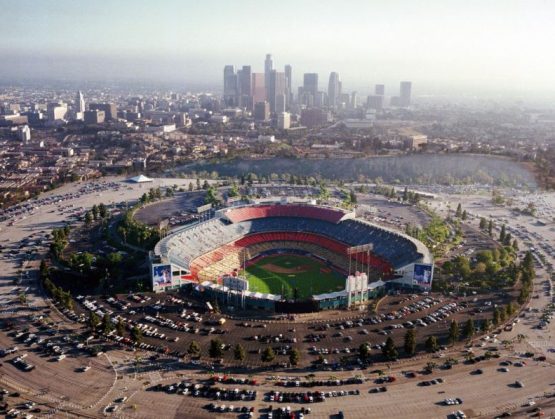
(140, 179)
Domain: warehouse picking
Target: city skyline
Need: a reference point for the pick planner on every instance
(443, 47)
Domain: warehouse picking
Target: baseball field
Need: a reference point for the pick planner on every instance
(283, 274)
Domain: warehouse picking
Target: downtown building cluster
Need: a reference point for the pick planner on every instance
(270, 95)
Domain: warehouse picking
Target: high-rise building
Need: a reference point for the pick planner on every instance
(375, 102)
(268, 67)
(277, 88)
(333, 90)
(311, 118)
(258, 87)
(230, 86)
(379, 89)
(344, 100)
(79, 102)
(404, 97)
(310, 83)
(56, 111)
(261, 111)
(110, 110)
(309, 90)
(354, 100)
(284, 120)
(244, 79)
(94, 116)
(288, 83)
(320, 99)
(24, 133)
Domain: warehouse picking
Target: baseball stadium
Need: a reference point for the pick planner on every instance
(289, 257)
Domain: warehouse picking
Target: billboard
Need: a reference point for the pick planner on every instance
(422, 274)
(235, 283)
(161, 275)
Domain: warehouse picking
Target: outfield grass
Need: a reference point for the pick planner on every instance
(309, 282)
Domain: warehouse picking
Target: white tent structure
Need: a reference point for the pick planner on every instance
(140, 179)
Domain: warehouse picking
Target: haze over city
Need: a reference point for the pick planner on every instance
(493, 48)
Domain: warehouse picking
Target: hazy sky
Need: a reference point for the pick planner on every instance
(441, 45)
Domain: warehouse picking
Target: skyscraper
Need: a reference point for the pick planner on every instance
(333, 90)
(310, 83)
(379, 89)
(230, 86)
(404, 97)
(268, 67)
(261, 111)
(258, 87)
(244, 79)
(110, 110)
(56, 111)
(79, 102)
(354, 100)
(276, 91)
(288, 82)
(309, 89)
(375, 102)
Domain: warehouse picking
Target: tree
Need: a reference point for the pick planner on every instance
(389, 350)
(191, 187)
(502, 315)
(88, 218)
(107, 325)
(102, 210)
(502, 234)
(431, 344)
(268, 354)
(410, 342)
(294, 357)
(234, 191)
(215, 349)
(136, 334)
(483, 223)
(490, 228)
(406, 194)
(352, 197)
(469, 329)
(496, 317)
(194, 349)
(453, 332)
(458, 212)
(95, 212)
(120, 327)
(464, 215)
(205, 185)
(515, 245)
(93, 320)
(239, 353)
(364, 351)
(486, 326)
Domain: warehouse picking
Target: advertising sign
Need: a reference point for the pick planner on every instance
(161, 275)
(422, 274)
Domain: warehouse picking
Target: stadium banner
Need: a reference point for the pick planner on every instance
(422, 274)
(360, 249)
(204, 208)
(161, 275)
